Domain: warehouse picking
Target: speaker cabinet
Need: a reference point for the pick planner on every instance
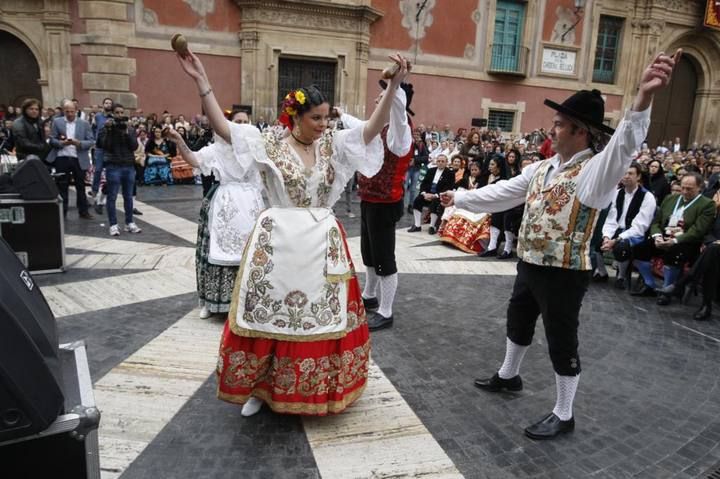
(31, 394)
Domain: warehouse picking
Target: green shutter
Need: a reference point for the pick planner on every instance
(509, 18)
(606, 53)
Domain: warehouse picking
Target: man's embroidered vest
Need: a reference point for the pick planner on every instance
(556, 228)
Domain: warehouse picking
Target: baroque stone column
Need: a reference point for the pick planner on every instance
(108, 31)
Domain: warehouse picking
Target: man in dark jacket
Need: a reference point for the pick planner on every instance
(436, 181)
(119, 143)
(28, 132)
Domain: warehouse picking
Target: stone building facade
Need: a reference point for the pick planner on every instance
(491, 59)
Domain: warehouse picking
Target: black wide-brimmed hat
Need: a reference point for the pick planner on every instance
(585, 106)
(409, 92)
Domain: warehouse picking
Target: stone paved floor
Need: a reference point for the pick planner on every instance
(648, 404)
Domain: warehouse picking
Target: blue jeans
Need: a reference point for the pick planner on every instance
(411, 185)
(98, 163)
(119, 176)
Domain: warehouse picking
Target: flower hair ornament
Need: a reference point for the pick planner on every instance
(290, 106)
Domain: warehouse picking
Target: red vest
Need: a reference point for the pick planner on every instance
(387, 185)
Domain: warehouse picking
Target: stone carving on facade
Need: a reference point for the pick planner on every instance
(249, 40)
(409, 9)
(563, 31)
(202, 8)
(656, 27)
(469, 51)
(310, 20)
(477, 16)
(363, 51)
(150, 18)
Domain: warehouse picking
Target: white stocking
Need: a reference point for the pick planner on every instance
(514, 354)
(494, 235)
(417, 216)
(566, 387)
(371, 283)
(388, 286)
(509, 241)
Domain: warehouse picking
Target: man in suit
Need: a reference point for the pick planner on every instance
(261, 124)
(675, 235)
(436, 181)
(71, 139)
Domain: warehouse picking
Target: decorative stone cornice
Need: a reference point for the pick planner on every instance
(310, 14)
(655, 27)
(248, 40)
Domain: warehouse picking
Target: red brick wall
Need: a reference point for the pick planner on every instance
(160, 83)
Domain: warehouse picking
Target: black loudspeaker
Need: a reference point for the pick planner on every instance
(33, 181)
(31, 396)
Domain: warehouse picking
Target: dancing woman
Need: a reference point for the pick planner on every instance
(296, 336)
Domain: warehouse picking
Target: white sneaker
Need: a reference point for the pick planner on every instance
(204, 313)
(251, 407)
(132, 228)
(114, 230)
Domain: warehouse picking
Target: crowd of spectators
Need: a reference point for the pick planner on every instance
(677, 242)
(673, 173)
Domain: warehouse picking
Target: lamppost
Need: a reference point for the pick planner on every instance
(579, 5)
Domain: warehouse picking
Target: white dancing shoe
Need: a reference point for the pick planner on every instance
(251, 407)
(204, 313)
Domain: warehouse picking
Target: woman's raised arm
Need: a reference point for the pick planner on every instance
(192, 65)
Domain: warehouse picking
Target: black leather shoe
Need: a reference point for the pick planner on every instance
(414, 229)
(704, 313)
(505, 255)
(432, 230)
(663, 299)
(488, 253)
(497, 384)
(620, 283)
(549, 427)
(600, 278)
(98, 209)
(377, 321)
(86, 216)
(644, 291)
(137, 212)
(371, 304)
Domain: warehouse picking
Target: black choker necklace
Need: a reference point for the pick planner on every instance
(306, 146)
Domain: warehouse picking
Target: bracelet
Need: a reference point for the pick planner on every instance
(205, 93)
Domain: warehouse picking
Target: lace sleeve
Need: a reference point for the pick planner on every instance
(351, 154)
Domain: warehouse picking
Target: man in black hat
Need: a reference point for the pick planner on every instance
(563, 196)
(381, 207)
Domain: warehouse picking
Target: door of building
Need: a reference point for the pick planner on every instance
(19, 70)
(296, 73)
(672, 110)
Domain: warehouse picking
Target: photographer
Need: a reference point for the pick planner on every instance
(203, 138)
(28, 132)
(119, 144)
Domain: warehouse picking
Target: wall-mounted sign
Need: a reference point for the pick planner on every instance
(558, 62)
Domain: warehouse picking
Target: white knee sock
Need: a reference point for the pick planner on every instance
(509, 237)
(371, 283)
(433, 220)
(417, 216)
(600, 268)
(566, 387)
(622, 268)
(514, 354)
(494, 235)
(388, 286)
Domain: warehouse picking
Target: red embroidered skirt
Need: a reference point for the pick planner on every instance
(465, 234)
(310, 378)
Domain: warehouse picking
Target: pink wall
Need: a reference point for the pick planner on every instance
(160, 84)
(456, 101)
